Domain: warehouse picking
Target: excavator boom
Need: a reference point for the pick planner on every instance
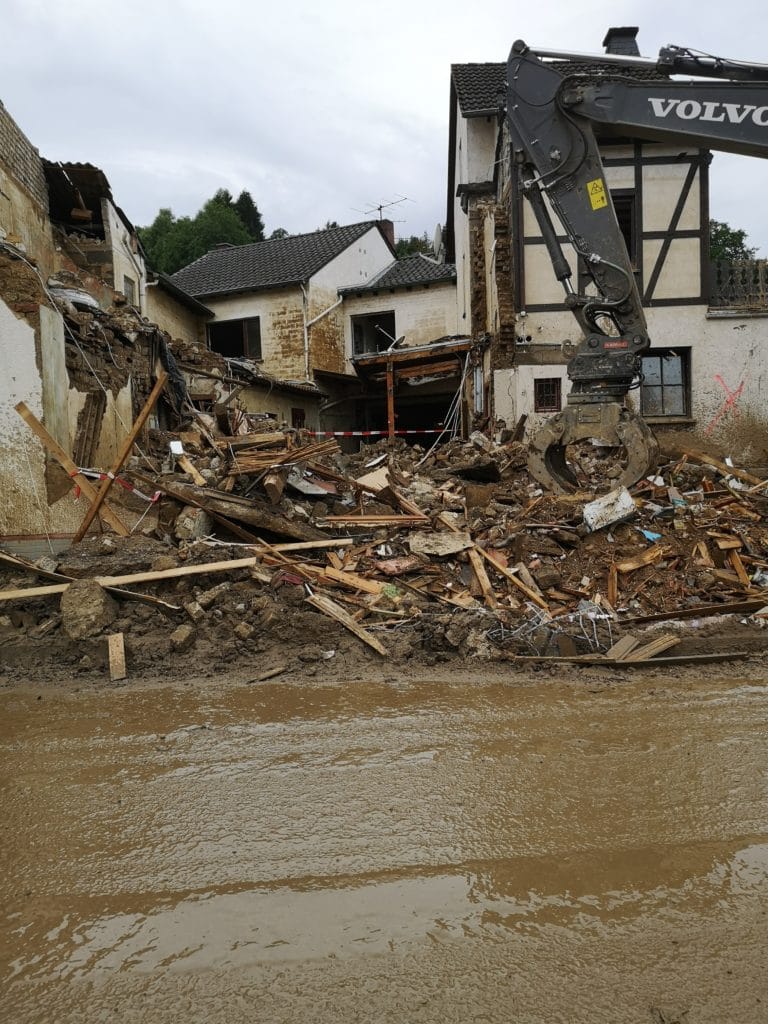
(552, 113)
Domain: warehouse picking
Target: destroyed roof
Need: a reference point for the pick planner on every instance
(480, 88)
(272, 264)
(77, 186)
(414, 270)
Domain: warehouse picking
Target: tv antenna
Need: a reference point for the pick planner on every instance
(380, 207)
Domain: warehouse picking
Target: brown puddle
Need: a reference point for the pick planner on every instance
(163, 832)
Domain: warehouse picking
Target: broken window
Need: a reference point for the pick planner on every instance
(236, 338)
(374, 332)
(665, 388)
(547, 394)
(129, 290)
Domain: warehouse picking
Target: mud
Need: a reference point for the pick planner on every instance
(387, 850)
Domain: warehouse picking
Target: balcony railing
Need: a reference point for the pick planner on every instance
(741, 286)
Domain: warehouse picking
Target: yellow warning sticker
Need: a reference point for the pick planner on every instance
(597, 194)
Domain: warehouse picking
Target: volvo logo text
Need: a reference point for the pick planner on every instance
(693, 110)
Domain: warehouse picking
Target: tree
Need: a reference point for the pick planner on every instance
(278, 233)
(172, 243)
(727, 244)
(248, 213)
(413, 245)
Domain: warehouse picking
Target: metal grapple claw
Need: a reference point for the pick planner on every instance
(608, 422)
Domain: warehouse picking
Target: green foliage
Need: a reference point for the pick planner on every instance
(172, 243)
(727, 244)
(278, 233)
(413, 245)
(248, 212)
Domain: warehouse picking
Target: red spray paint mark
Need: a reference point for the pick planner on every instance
(729, 405)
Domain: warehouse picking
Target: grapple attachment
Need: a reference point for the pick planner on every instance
(607, 422)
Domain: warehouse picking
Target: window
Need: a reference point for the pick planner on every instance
(373, 332)
(625, 207)
(547, 394)
(129, 290)
(235, 338)
(298, 418)
(665, 389)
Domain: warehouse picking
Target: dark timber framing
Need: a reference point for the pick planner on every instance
(698, 165)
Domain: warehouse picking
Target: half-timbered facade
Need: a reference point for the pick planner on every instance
(703, 374)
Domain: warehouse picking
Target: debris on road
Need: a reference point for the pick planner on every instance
(403, 549)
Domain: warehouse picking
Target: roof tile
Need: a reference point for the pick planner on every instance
(271, 264)
(413, 270)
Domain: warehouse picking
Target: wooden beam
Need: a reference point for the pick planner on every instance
(390, 401)
(122, 455)
(85, 485)
(328, 607)
(353, 581)
(188, 468)
(726, 470)
(117, 670)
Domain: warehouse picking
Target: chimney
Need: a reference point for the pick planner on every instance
(223, 245)
(622, 41)
(388, 230)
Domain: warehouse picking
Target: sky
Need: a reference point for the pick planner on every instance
(322, 109)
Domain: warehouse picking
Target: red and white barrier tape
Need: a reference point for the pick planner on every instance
(94, 474)
(367, 433)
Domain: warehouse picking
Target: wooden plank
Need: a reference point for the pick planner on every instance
(58, 577)
(117, 669)
(205, 569)
(647, 557)
(187, 466)
(657, 646)
(85, 485)
(740, 474)
(512, 577)
(482, 577)
(330, 608)
(353, 581)
(307, 545)
(613, 586)
(738, 568)
(122, 455)
(390, 402)
(274, 484)
(598, 660)
(701, 611)
(622, 648)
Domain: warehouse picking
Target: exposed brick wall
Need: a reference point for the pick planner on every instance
(503, 345)
(21, 158)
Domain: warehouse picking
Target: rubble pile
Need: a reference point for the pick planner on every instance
(271, 545)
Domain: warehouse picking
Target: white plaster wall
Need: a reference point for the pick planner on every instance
(357, 265)
(726, 353)
(422, 315)
(662, 185)
(461, 222)
(126, 262)
(513, 393)
(24, 508)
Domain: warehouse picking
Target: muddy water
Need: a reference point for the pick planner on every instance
(371, 853)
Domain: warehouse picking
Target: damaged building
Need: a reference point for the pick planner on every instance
(702, 378)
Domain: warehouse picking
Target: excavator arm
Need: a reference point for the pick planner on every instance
(552, 114)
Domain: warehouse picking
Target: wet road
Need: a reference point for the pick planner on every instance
(373, 853)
